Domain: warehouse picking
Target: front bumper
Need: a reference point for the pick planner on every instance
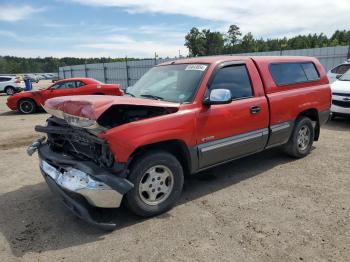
(97, 193)
(11, 105)
(75, 180)
(77, 207)
(340, 110)
(341, 104)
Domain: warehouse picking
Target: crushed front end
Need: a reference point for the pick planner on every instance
(79, 167)
(76, 162)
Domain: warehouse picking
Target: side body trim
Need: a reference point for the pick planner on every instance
(217, 152)
(280, 134)
(229, 148)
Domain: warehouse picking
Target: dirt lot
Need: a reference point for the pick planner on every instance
(266, 207)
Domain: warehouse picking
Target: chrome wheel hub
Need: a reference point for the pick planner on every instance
(303, 137)
(156, 185)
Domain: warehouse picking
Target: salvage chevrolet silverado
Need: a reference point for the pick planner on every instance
(180, 118)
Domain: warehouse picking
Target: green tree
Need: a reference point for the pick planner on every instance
(213, 42)
(233, 34)
(248, 43)
(194, 41)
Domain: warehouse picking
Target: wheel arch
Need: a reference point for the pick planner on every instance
(26, 98)
(178, 148)
(9, 86)
(313, 114)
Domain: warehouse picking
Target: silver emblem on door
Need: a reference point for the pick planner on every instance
(209, 138)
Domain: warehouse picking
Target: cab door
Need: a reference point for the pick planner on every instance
(240, 128)
(66, 88)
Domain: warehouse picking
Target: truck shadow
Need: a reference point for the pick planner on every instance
(33, 220)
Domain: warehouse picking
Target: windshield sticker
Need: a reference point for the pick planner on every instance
(196, 67)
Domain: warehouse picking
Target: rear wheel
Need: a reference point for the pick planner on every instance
(302, 138)
(10, 90)
(26, 106)
(158, 179)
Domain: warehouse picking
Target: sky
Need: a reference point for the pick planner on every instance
(139, 28)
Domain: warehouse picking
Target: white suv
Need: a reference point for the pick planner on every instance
(11, 85)
(338, 71)
(341, 96)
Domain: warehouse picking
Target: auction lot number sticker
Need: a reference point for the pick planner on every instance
(197, 67)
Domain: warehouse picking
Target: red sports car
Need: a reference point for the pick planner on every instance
(28, 102)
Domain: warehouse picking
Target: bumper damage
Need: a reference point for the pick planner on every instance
(68, 177)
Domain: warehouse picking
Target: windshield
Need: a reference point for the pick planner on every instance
(345, 77)
(174, 83)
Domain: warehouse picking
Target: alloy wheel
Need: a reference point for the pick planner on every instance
(303, 138)
(156, 185)
(26, 107)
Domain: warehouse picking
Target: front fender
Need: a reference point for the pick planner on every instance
(125, 139)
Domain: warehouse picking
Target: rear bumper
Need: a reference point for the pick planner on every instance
(20, 88)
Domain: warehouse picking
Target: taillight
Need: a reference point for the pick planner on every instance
(17, 82)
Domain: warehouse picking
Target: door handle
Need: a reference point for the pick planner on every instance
(255, 109)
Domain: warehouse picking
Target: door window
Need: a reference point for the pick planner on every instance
(342, 69)
(64, 85)
(4, 79)
(234, 78)
(293, 73)
(79, 84)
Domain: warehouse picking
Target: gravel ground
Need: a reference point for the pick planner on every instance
(265, 207)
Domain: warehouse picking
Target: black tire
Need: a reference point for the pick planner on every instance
(298, 146)
(10, 90)
(136, 200)
(332, 116)
(26, 106)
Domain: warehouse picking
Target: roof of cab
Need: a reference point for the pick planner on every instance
(227, 58)
(85, 79)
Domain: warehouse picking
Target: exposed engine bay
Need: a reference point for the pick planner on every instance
(117, 115)
(77, 142)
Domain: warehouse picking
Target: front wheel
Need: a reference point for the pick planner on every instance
(26, 106)
(302, 138)
(158, 179)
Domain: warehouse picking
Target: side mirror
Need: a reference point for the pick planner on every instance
(218, 97)
(339, 76)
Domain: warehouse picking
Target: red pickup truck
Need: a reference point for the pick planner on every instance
(180, 118)
(29, 102)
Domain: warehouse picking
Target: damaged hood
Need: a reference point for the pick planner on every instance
(93, 106)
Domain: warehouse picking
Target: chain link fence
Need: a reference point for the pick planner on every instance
(128, 72)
